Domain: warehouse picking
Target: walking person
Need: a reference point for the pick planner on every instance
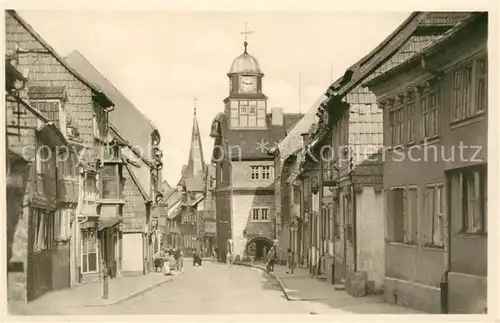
(181, 260)
(290, 263)
(271, 259)
(175, 253)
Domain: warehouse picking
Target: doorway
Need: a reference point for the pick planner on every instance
(257, 248)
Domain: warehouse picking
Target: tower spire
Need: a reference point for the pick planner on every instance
(246, 33)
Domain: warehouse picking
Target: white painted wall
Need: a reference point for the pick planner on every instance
(132, 252)
(370, 234)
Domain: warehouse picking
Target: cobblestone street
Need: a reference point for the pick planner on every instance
(217, 288)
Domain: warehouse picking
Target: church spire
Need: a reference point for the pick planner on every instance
(195, 169)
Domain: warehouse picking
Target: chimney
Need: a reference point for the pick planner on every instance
(277, 116)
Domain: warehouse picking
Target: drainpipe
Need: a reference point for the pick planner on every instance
(444, 279)
(354, 225)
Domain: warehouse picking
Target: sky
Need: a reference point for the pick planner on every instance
(161, 60)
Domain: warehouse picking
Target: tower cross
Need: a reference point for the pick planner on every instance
(246, 33)
(195, 100)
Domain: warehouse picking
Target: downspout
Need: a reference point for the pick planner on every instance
(354, 224)
(444, 279)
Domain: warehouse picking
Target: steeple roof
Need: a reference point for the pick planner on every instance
(195, 171)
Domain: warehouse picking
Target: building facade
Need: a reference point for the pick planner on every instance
(342, 208)
(69, 112)
(436, 200)
(244, 192)
(131, 183)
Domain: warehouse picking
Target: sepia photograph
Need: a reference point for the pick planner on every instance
(164, 162)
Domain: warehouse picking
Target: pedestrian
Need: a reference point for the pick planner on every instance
(167, 264)
(177, 256)
(181, 260)
(271, 258)
(290, 264)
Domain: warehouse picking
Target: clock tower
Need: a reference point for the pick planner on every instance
(246, 104)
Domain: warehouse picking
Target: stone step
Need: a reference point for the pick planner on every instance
(339, 287)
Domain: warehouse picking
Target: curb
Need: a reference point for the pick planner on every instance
(136, 294)
(280, 282)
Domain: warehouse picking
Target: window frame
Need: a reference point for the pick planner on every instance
(61, 113)
(260, 211)
(430, 113)
(438, 214)
(410, 106)
(118, 179)
(480, 198)
(396, 123)
(460, 92)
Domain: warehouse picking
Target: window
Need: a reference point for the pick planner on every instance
(434, 215)
(111, 182)
(481, 84)
(243, 107)
(54, 111)
(396, 124)
(410, 125)
(62, 220)
(255, 215)
(473, 194)
(99, 121)
(411, 216)
(40, 229)
(266, 172)
(396, 214)
(89, 251)
(254, 172)
(469, 91)
(260, 172)
(260, 215)
(90, 190)
(249, 114)
(430, 114)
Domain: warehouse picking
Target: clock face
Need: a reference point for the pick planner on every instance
(248, 84)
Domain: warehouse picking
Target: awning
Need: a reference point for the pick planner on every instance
(174, 211)
(108, 222)
(198, 200)
(51, 135)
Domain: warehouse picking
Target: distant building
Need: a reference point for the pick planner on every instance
(244, 191)
(190, 208)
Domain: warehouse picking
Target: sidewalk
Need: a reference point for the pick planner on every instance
(89, 295)
(302, 286)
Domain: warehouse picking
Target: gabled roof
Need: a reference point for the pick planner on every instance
(101, 95)
(293, 141)
(127, 119)
(427, 22)
(438, 42)
(253, 144)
